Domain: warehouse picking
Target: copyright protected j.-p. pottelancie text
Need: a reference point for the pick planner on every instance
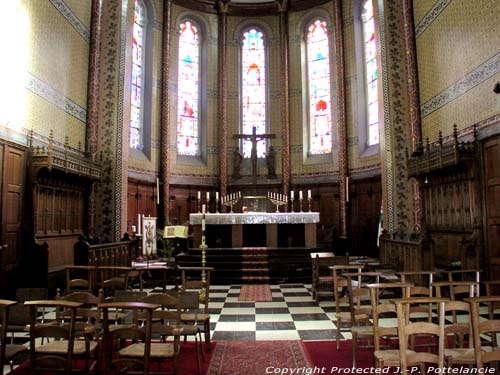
(372, 370)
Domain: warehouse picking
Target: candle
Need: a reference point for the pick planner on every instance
(139, 224)
(309, 194)
(203, 209)
(217, 195)
(199, 195)
(347, 189)
(208, 196)
(203, 225)
(133, 228)
(291, 194)
(157, 190)
(300, 195)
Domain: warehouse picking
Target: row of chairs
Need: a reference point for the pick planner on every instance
(351, 291)
(82, 323)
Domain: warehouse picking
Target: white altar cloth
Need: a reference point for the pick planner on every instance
(256, 218)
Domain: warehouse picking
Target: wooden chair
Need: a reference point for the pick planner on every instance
(407, 328)
(485, 351)
(202, 319)
(472, 274)
(128, 348)
(19, 314)
(322, 280)
(80, 278)
(459, 343)
(360, 310)
(455, 289)
(492, 288)
(419, 278)
(9, 353)
(341, 283)
(189, 302)
(59, 352)
(383, 309)
(115, 278)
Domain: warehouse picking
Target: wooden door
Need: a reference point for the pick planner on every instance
(13, 169)
(492, 202)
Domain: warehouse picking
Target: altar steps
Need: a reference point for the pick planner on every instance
(253, 265)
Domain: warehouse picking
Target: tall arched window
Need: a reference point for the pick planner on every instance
(188, 137)
(137, 83)
(371, 73)
(254, 88)
(319, 92)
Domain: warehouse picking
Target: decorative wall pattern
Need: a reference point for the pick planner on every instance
(67, 13)
(54, 97)
(474, 78)
(431, 16)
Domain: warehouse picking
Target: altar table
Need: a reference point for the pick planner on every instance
(271, 220)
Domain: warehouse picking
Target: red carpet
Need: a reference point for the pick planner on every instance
(256, 293)
(187, 361)
(325, 354)
(256, 357)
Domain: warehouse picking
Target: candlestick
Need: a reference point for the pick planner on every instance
(139, 224)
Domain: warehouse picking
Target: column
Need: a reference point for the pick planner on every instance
(223, 7)
(340, 75)
(165, 113)
(285, 114)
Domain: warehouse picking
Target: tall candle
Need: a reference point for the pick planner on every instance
(309, 194)
(300, 194)
(292, 194)
(208, 196)
(139, 224)
(347, 189)
(203, 224)
(157, 190)
(216, 195)
(203, 209)
(199, 195)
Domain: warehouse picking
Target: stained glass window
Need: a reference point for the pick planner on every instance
(188, 90)
(318, 79)
(254, 85)
(136, 86)
(371, 72)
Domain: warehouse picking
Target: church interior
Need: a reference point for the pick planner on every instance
(256, 142)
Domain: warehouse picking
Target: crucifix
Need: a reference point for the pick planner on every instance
(254, 138)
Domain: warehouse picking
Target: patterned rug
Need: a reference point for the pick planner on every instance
(256, 293)
(256, 357)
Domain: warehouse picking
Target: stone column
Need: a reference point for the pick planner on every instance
(93, 102)
(341, 111)
(412, 79)
(285, 113)
(165, 113)
(223, 7)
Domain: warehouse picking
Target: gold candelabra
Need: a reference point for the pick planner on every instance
(231, 199)
(277, 199)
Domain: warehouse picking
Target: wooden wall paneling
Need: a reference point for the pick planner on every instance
(491, 156)
(13, 169)
(132, 207)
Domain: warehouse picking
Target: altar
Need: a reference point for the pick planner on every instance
(277, 229)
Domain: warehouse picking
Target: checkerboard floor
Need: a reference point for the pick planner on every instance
(291, 315)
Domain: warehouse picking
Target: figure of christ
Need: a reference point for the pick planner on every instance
(254, 138)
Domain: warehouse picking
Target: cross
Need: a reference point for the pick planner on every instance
(254, 138)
